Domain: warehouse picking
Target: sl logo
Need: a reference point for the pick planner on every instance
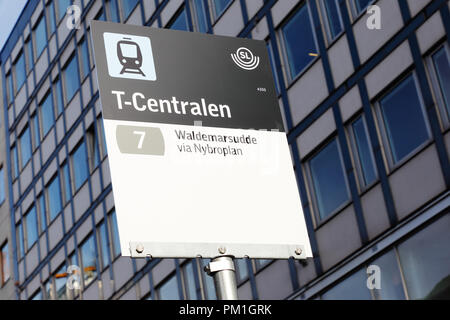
(245, 59)
(374, 20)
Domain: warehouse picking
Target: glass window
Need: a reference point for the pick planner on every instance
(84, 51)
(48, 290)
(114, 11)
(352, 288)
(220, 6)
(169, 289)
(37, 295)
(189, 280)
(29, 47)
(43, 212)
(361, 5)
(62, 8)
(391, 279)
(128, 6)
(54, 198)
(51, 14)
(363, 150)
(19, 235)
(425, 260)
(441, 63)
(89, 260)
(4, 263)
(115, 234)
(332, 18)
(15, 161)
(20, 70)
(273, 66)
(104, 244)
(241, 269)
(200, 14)
(71, 78)
(80, 166)
(60, 283)
(100, 16)
(59, 97)
(37, 135)
(40, 37)
(261, 263)
(208, 283)
(101, 132)
(180, 23)
(2, 185)
(10, 88)
(328, 180)
(67, 185)
(403, 119)
(31, 227)
(94, 152)
(25, 146)
(47, 114)
(299, 42)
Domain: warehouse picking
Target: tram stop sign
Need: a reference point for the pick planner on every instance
(199, 159)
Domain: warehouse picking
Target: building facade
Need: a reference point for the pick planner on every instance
(367, 113)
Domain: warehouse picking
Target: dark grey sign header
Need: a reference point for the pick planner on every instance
(166, 76)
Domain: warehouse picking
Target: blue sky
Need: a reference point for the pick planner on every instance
(9, 12)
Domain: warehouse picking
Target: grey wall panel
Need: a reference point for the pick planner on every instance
(123, 270)
(338, 238)
(374, 212)
(81, 201)
(274, 282)
(162, 270)
(417, 182)
(369, 41)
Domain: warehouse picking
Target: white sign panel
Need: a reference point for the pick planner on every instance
(199, 159)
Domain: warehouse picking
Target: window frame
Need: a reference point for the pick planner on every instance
(29, 246)
(3, 184)
(16, 86)
(182, 10)
(73, 57)
(212, 8)
(356, 156)
(282, 47)
(58, 19)
(389, 157)
(354, 9)
(317, 220)
(195, 17)
(19, 154)
(72, 166)
(86, 239)
(100, 253)
(48, 95)
(35, 40)
(83, 42)
(185, 282)
(5, 262)
(435, 83)
(47, 199)
(121, 9)
(93, 149)
(323, 13)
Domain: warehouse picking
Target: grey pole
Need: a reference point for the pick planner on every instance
(223, 271)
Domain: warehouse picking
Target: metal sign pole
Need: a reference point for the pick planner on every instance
(223, 271)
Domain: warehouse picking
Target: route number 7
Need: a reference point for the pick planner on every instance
(141, 139)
